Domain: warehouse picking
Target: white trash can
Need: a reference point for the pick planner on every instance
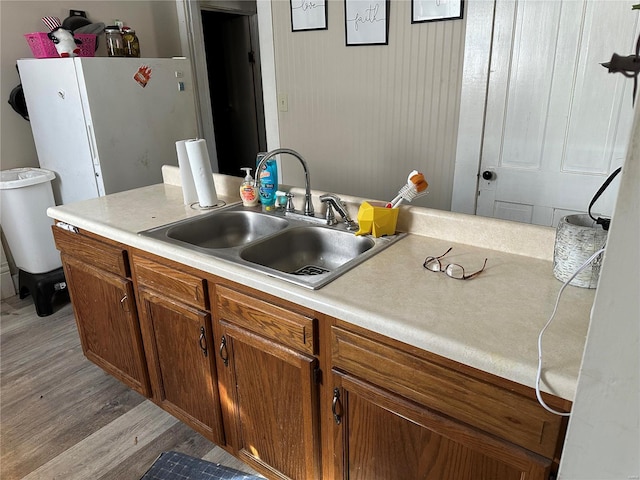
(25, 195)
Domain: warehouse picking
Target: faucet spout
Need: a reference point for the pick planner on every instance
(308, 204)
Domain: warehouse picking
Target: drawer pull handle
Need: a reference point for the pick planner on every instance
(124, 304)
(334, 406)
(203, 342)
(224, 355)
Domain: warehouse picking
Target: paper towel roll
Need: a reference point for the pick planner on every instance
(186, 177)
(201, 170)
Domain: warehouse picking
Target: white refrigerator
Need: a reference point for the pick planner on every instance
(105, 125)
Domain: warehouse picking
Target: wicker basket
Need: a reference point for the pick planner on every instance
(577, 238)
(42, 46)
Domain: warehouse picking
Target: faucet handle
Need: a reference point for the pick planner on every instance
(289, 206)
(334, 201)
(330, 215)
(328, 197)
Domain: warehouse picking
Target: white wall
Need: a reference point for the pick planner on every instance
(365, 116)
(155, 23)
(603, 439)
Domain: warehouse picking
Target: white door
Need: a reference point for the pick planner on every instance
(556, 122)
(59, 126)
(136, 109)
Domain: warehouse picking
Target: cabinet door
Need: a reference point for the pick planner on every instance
(105, 310)
(274, 405)
(385, 437)
(181, 362)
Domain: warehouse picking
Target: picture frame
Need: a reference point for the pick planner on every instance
(366, 22)
(436, 10)
(308, 15)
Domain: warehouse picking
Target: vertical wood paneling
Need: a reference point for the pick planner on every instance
(365, 116)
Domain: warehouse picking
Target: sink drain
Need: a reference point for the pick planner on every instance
(310, 270)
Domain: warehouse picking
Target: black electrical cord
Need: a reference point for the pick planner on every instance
(604, 222)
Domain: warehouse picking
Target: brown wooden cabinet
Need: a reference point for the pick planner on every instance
(397, 414)
(104, 305)
(384, 436)
(268, 372)
(178, 344)
(296, 394)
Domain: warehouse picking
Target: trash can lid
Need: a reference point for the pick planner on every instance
(23, 177)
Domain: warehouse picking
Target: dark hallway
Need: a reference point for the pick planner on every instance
(235, 87)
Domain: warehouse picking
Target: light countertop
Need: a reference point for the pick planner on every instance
(490, 322)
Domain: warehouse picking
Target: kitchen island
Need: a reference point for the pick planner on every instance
(387, 336)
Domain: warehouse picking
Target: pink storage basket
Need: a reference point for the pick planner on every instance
(43, 47)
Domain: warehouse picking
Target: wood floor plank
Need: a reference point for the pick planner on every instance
(19, 312)
(104, 449)
(43, 391)
(33, 439)
(62, 417)
(178, 438)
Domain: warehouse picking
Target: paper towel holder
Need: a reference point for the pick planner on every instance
(197, 206)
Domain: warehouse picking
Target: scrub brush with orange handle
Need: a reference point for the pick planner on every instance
(415, 187)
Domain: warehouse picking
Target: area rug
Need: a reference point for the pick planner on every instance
(178, 466)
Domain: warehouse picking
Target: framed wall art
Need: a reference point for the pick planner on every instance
(366, 22)
(308, 15)
(435, 10)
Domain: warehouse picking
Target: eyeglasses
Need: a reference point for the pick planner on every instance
(452, 270)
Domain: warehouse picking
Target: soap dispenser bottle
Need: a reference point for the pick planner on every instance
(248, 192)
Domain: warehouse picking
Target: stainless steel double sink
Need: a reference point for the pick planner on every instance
(295, 249)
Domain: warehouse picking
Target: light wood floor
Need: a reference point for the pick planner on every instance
(62, 417)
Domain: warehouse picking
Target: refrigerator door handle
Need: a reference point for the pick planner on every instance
(92, 143)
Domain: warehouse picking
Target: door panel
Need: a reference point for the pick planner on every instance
(105, 312)
(384, 436)
(276, 404)
(556, 122)
(179, 341)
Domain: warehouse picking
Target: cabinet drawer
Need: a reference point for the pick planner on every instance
(481, 404)
(182, 286)
(102, 255)
(268, 320)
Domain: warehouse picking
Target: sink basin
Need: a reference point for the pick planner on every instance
(297, 249)
(307, 250)
(225, 229)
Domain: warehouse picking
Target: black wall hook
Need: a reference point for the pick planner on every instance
(629, 66)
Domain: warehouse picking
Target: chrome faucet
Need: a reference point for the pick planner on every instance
(308, 204)
(334, 201)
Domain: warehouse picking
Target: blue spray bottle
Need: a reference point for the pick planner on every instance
(268, 184)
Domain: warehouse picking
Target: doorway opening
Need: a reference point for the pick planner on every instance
(235, 86)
